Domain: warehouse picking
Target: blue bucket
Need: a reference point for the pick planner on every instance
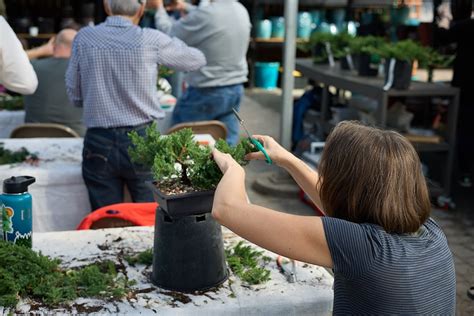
(305, 22)
(264, 29)
(266, 75)
(278, 26)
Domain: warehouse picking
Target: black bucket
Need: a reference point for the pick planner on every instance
(366, 67)
(188, 253)
(402, 71)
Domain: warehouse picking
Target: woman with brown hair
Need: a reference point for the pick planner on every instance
(388, 256)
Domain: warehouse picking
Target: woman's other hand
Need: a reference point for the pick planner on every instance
(277, 153)
(224, 161)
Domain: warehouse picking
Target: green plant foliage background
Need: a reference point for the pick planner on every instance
(178, 158)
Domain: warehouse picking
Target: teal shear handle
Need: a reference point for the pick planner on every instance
(260, 148)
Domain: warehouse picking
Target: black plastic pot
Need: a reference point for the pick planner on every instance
(401, 76)
(188, 253)
(366, 67)
(320, 54)
(186, 204)
(344, 63)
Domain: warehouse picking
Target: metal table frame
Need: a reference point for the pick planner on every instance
(373, 87)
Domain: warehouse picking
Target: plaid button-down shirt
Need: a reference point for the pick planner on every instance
(113, 71)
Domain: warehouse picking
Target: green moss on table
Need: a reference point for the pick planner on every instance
(26, 273)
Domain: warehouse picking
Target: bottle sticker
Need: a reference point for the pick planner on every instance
(7, 224)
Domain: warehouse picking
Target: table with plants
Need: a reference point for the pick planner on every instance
(108, 272)
(60, 199)
(12, 114)
(187, 264)
(380, 71)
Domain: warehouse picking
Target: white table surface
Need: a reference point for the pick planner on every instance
(311, 295)
(60, 199)
(9, 120)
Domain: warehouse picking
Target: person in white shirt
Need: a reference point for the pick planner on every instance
(16, 72)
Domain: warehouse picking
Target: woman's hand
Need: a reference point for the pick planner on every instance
(224, 161)
(277, 153)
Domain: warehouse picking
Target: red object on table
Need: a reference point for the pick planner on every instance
(133, 214)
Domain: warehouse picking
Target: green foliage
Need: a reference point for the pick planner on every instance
(248, 264)
(436, 60)
(406, 50)
(145, 148)
(179, 159)
(366, 45)
(164, 71)
(339, 45)
(25, 273)
(9, 157)
(145, 257)
(11, 103)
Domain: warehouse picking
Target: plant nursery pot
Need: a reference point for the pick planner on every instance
(186, 204)
(366, 67)
(344, 63)
(401, 75)
(319, 51)
(188, 253)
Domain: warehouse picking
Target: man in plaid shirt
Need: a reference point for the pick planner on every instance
(112, 74)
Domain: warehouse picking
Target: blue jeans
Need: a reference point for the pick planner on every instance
(106, 167)
(202, 104)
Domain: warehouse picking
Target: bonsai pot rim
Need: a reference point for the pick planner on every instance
(169, 203)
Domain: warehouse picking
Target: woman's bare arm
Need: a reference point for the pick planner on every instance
(297, 237)
(306, 177)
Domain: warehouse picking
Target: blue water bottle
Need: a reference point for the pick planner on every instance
(16, 211)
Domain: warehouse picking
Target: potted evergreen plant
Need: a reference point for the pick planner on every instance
(341, 50)
(399, 59)
(366, 50)
(322, 45)
(185, 175)
(188, 247)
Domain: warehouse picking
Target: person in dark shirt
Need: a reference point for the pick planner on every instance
(389, 257)
(50, 103)
(461, 32)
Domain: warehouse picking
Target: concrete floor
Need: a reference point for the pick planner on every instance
(261, 112)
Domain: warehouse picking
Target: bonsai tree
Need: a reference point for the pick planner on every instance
(369, 45)
(367, 50)
(435, 60)
(399, 62)
(406, 50)
(179, 163)
(338, 42)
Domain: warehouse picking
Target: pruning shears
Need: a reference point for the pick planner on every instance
(289, 274)
(253, 140)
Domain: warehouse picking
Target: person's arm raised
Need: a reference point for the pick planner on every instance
(297, 237)
(306, 177)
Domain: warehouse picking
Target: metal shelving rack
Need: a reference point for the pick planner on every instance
(373, 87)
(255, 43)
